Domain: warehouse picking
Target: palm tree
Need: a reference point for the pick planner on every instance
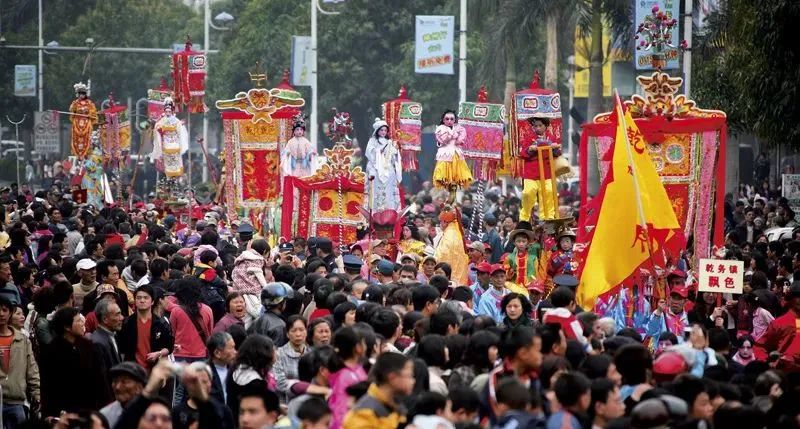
(507, 26)
(618, 17)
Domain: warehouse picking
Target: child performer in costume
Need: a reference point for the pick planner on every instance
(533, 191)
(451, 170)
(563, 261)
(299, 154)
(383, 163)
(521, 263)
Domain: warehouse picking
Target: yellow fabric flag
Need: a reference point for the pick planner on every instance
(635, 216)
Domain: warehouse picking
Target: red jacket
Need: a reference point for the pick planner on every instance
(188, 341)
(530, 170)
(782, 336)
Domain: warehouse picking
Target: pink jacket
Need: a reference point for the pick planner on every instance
(339, 382)
(248, 273)
(450, 140)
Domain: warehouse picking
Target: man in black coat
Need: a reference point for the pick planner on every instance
(222, 353)
(161, 342)
(109, 319)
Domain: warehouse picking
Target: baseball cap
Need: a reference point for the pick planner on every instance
(131, 369)
(413, 257)
(483, 267)
(496, 268)
(85, 264)
(477, 245)
(683, 292)
(536, 286)
(374, 258)
(104, 289)
(385, 267)
(676, 273)
(375, 243)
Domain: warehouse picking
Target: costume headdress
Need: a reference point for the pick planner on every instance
(168, 102)
(83, 87)
(299, 120)
(378, 124)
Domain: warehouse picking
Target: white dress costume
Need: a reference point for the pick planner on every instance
(383, 163)
(170, 142)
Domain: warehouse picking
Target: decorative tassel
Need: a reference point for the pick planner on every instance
(409, 160)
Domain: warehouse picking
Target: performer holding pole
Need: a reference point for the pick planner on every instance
(538, 179)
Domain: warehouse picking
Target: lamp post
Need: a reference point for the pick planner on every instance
(16, 142)
(223, 17)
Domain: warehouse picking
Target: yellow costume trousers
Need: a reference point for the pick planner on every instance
(532, 194)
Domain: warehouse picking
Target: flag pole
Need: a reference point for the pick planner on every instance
(639, 206)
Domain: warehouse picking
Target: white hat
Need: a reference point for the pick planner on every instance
(378, 124)
(85, 264)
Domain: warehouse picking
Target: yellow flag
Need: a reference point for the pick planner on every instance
(635, 216)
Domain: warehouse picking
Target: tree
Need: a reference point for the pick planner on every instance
(512, 30)
(590, 16)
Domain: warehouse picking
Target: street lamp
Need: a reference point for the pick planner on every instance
(223, 18)
(51, 44)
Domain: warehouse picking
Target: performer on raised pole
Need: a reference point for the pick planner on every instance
(537, 188)
(299, 155)
(83, 120)
(451, 170)
(383, 163)
(170, 141)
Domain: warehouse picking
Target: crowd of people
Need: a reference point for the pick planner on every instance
(124, 318)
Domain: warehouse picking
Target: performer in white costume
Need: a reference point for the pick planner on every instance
(383, 163)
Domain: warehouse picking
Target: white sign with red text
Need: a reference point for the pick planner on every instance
(720, 276)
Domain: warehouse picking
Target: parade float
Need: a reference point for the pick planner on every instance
(685, 146)
(685, 143)
(327, 203)
(484, 123)
(256, 123)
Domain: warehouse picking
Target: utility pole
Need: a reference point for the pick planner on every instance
(462, 53)
(314, 74)
(687, 53)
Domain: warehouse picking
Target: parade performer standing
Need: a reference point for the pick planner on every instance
(299, 155)
(170, 141)
(383, 163)
(451, 170)
(520, 264)
(451, 246)
(83, 119)
(534, 191)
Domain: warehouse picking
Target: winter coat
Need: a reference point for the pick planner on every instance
(22, 381)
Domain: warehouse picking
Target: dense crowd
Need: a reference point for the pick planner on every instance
(122, 317)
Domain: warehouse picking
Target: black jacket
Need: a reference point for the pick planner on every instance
(217, 384)
(70, 377)
(107, 358)
(160, 337)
